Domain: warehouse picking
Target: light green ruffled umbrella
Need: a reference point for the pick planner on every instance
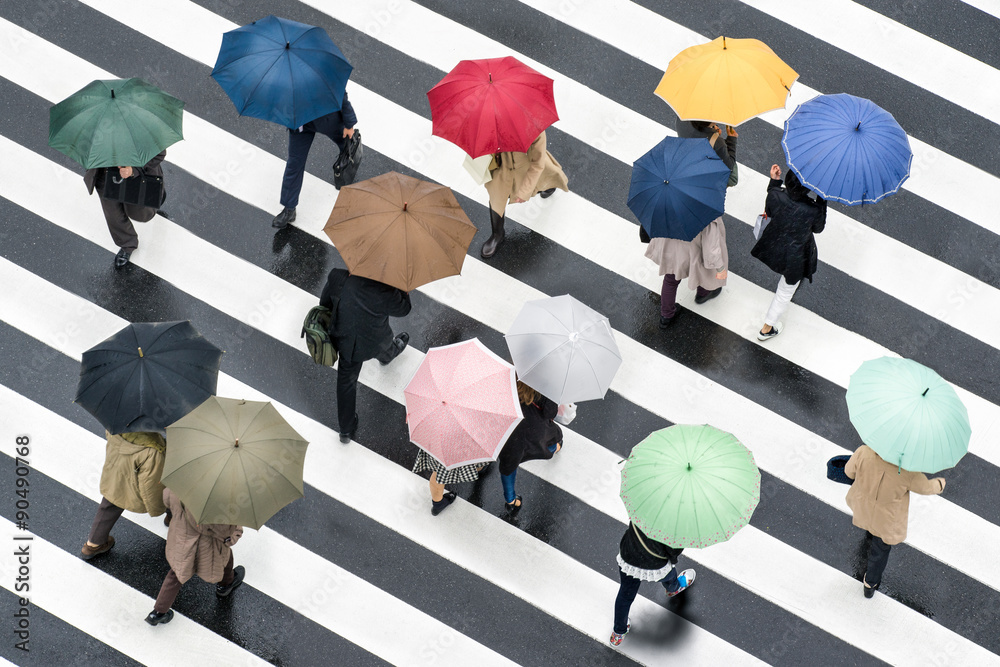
(690, 485)
(908, 414)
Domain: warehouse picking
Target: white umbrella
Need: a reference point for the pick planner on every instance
(563, 349)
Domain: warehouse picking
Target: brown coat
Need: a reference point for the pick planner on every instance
(698, 260)
(523, 175)
(133, 465)
(880, 495)
(197, 549)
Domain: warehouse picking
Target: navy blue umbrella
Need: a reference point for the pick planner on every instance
(283, 71)
(147, 376)
(678, 188)
(846, 149)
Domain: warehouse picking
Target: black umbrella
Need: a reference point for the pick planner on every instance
(147, 376)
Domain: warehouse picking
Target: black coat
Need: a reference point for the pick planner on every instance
(633, 553)
(787, 245)
(361, 321)
(726, 151)
(532, 437)
(151, 168)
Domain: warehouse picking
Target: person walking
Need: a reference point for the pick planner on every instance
(880, 501)
(700, 129)
(516, 178)
(643, 559)
(360, 328)
(537, 436)
(440, 476)
(130, 480)
(788, 245)
(195, 549)
(119, 216)
(338, 125)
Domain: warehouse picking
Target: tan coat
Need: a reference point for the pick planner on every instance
(133, 465)
(523, 175)
(197, 549)
(698, 260)
(880, 495)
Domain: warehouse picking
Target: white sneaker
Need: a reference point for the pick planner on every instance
(685, 580)
(775, 330)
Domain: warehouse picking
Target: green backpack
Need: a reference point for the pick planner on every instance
(316, 331)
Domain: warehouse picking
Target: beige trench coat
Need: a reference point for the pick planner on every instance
(698, 260)
(880, 495)
(197, 549)
(133, 465)
(523, 175)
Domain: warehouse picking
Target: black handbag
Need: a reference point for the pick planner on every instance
(835, 470)
(346, 166)
(141, 190)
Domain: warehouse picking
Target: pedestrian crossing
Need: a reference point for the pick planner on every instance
(783, 591)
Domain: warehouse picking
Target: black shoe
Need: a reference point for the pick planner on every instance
(155, 618)
(869, 589)
(163, 214)
(496, 238)
(122, 258)
(665, 322)
(514, 506)
(347, 436)
(222, 591)
(281, 220)
(398, 345)
(545, 194)
(437, 506)
(708, 297)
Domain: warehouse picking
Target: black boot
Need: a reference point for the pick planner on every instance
(494, 241)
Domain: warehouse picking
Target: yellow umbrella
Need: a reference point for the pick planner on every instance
(726, 81)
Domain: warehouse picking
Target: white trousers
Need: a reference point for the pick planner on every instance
(779, 304)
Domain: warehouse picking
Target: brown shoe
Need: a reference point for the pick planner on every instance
(88, 552)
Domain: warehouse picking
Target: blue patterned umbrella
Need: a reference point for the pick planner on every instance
(283, 71)
(678, 188)
(847, 149)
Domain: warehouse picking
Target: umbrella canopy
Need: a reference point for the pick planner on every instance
(846, 149)
(908, 414)
(678, 187)
(690, 486)
(283, 71)
(563, 349)
(461, 404)
(400, 231)
(147, 375)
(492, 105)
(234, 462)
(726, 80)
(115, 123)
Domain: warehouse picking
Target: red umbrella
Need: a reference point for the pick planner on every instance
(492, 105)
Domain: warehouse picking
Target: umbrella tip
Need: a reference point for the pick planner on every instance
(140, 351)
(925, 391)
(112, 93)
(858, 126)
(666, 182)
(689, 465)
(723, 48)
(237, 443)
(404, 205)
(288, 45)
(490, 75)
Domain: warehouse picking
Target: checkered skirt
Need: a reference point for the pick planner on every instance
(444, 476)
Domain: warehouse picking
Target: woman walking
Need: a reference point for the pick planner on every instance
(880, 500)
(536, 437)
(787, 244)
(516, 178)
(642, 559)
(440, 476)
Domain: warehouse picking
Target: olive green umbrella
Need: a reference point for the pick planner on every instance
(115, 123)
(908, 414)
(234, 462)
(690, 486)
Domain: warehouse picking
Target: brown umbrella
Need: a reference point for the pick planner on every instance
(400, 231)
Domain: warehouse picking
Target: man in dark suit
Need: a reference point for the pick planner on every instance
(360, 327)
(118, 215)
(338, 126)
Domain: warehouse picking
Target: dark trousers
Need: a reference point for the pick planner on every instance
(627, 592)
(668, 295)
(295, 168)
(347, 394)
(172, 586)
(878, 557)
(104, 520)
(119, 217)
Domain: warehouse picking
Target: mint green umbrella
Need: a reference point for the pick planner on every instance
(115, 123)
(908, 414)
(690, 486)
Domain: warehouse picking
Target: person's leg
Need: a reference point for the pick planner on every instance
(779, 304)
(670, 581)
(668, 296)
(395, 347)
(139, 213)
(626, 595)
(878, 557)
(439, 497)
(295, 167)
(496, 237)
(168, 593)
(122, 231)
(507, 482)
(227, 573)
(105, 518)
(347, 396)
(437, 490)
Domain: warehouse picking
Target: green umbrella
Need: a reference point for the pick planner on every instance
(234, 462)
(115, 123)
(690, 486)
(908, 414)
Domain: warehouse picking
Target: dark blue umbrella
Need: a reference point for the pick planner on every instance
(147, 376)
(846, 149)
(283, 71)
(678, 188)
